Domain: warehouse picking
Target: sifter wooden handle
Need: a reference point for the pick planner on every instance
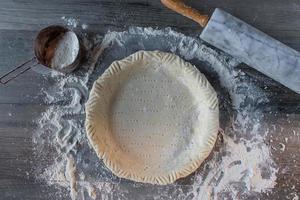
(179, 7)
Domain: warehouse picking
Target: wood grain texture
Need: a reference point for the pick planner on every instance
(21, 103)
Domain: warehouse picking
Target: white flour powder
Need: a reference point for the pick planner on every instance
(241, 165)
(66, 51)
(71, 22)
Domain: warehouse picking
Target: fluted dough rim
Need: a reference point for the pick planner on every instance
(97, 91)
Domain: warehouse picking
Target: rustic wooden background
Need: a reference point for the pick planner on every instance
(21, 102)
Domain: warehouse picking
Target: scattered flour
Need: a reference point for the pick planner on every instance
(84, 26)
(66, 51)
(282, 146)
(296, 197)
(241, 165)
(71, 22)
(71, 175)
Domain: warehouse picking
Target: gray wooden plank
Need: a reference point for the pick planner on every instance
(26, 90)
(27, 189)
(16, 49)
(272, 16)
(22, 98)
(13, 115)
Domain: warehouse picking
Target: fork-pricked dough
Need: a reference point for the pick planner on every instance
(152, 117)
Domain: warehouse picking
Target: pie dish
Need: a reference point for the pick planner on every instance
(152, 117)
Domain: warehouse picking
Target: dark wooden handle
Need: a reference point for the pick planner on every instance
(181, 8)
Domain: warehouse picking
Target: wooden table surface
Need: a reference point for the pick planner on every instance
(21, 100)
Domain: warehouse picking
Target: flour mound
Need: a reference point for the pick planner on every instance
(66, 51)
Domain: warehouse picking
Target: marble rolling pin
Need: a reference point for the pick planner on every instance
(246, 43)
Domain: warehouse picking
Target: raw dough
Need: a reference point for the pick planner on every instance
(152, 117)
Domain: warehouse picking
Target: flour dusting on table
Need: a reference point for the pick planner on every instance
(70, 21)
(239, 166)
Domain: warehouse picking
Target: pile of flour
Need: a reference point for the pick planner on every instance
(66, 51)
(240, 165)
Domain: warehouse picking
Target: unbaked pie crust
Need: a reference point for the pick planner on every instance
(152, 117)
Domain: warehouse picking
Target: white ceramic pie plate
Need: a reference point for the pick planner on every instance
(152, 117)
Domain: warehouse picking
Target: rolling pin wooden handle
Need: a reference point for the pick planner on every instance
(181, 8)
